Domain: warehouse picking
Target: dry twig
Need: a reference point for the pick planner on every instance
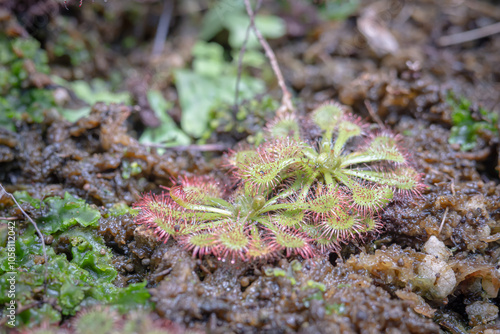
(199, 148)
(375, 117)
(470, 35)
(442, 221)
(286, 101)
(163, 25)
(163, 272)
(40, 235)
(240, 58)
(9, 218)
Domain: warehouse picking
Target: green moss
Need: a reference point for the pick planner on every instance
(19, 99)
(69, 45)
(79, 268)
(130, 169)
(62, 212)
(120, 209)
(337, 308)
(316, 285)
(467, 125)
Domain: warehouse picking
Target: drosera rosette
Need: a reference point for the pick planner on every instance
(239, 227)
(293, 196)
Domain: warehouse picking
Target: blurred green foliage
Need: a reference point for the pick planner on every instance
(91, 92)
(467, 126)
(80, 272)
(21, 59)
(69, 43)
(130, 169)
(211, 81)
(19, 99)
(247, 120)
(120, 209)
(338, 9)
(168, 133)
(232, 17)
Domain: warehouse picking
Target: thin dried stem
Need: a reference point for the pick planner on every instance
(198, 148)
(40, 235)
(375, 117)
(442, 221)
(470, 35)
(163, 272)
(286, 101)
(240, 58)
(162, 30)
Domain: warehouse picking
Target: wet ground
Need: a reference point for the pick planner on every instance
(435, 265)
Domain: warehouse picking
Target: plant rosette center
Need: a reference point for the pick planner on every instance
(294, 198)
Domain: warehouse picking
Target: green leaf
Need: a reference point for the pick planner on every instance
(90, 92)
(167, 133)
(67, 212)
(254, 58)
(46, 313)
(286, 126)
(70, 296)
(83, 281)
(213, 20)
(198, 93)
(381, 148)
(25, 48)
(86, 252)
(346, 130)
(120, 209)
(232, 240)
(270, 27)
(208, 59)
(367, 197)
(131, 297)
(340, 226)
(403, 178)
(232, 16)
(339, 9)
(24, 197)
(98, 91)
(73, 115)
(292, 217)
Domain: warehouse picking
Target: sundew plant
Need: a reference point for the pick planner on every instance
(294, 196)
